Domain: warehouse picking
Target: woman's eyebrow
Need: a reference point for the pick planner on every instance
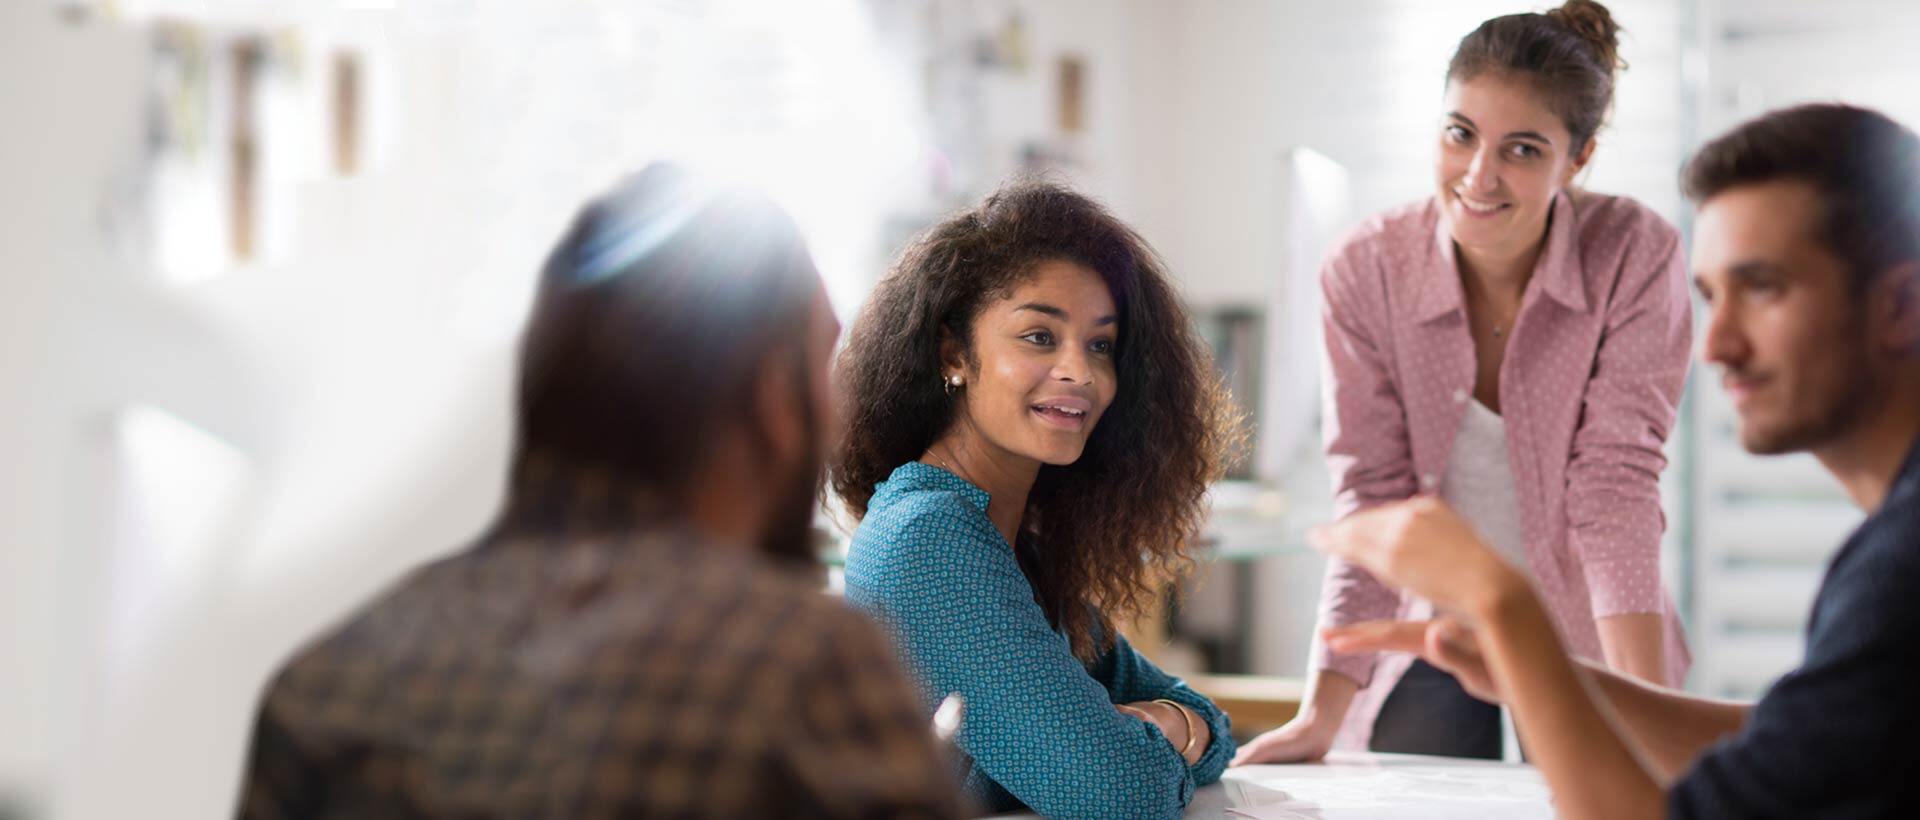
(1050, 310)
(1061, 313)
(1512, 135)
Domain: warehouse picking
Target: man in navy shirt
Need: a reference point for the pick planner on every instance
(1807, 251)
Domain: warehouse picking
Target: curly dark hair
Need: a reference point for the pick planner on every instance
(1099, 533)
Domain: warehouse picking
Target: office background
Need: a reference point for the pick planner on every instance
(263, 263)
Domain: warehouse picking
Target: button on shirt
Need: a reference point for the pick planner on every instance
(1589, 390)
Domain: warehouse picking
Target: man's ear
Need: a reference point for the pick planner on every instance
(1895, 297)
(776, 421)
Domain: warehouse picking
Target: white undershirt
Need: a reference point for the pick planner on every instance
(1479, 484)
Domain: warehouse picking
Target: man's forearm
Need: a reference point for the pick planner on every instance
(1592, 768)
(1670, 728)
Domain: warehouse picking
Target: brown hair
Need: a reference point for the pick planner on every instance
(655, 314)
(1570, 54)
(1136, 492)
(1865, 166)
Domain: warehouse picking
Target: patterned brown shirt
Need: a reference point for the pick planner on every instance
(581, 676)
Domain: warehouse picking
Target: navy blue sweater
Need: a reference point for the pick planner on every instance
(1840, 735)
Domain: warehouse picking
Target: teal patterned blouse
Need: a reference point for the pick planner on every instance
(1040, 728)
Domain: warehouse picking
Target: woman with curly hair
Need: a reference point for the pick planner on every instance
(1033, 425)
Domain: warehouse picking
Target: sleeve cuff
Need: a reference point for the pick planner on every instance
(1357, 666)
(1220, 748)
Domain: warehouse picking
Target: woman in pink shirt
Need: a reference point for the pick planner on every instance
(1516, 347)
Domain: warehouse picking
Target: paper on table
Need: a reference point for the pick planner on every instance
(1432, 811)
(1357, 793)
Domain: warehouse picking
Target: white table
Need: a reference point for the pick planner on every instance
(1367, 786)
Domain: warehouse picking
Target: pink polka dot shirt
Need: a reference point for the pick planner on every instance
(1589, 389)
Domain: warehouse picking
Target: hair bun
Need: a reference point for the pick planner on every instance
(1595, 25)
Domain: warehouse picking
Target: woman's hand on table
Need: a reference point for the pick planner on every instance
(1310, 734)
(1301, 740)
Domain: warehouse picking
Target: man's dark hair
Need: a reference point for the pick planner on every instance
(1865, 166)
(655, 315)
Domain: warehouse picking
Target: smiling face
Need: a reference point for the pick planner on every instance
(1503, 157)
(1783, 329)
(1041, 370)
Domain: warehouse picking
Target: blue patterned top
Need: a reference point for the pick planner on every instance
(1040, 727)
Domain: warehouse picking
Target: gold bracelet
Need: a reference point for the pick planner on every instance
(1186, 718)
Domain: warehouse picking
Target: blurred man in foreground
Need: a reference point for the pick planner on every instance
(638, 634)
(1807, 250)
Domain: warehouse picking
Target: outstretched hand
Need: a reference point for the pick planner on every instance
(1422, 546)
(1446, 642)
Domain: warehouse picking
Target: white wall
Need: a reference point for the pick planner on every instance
(111, 718)
(61, 141)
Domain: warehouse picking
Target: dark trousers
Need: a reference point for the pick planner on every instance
(1429, 713)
